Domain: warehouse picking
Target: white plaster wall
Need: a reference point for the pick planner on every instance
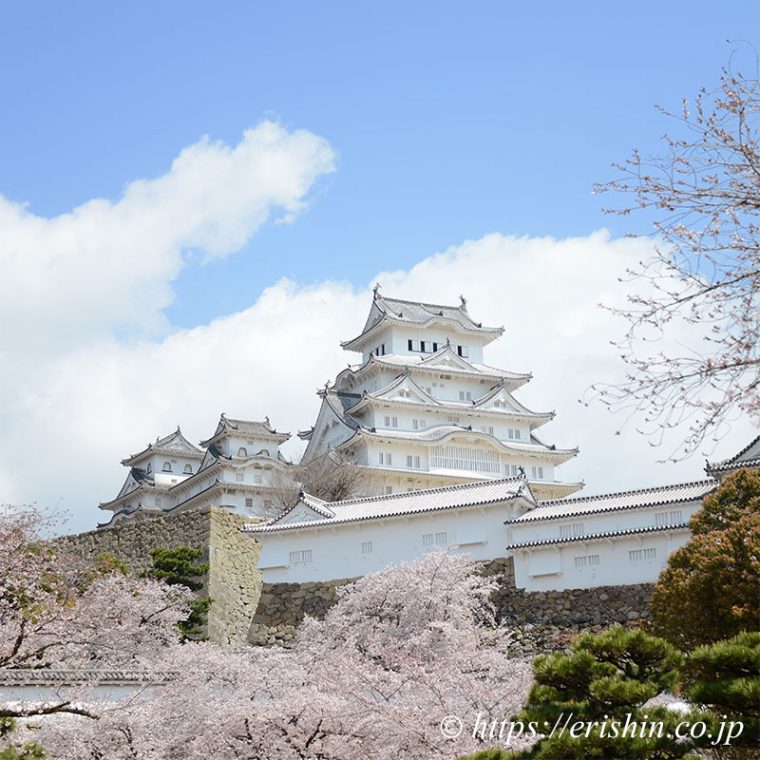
(554, 568)
(599, 522)
(336, 551)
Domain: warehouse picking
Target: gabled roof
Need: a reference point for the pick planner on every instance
(402, 382)
(441, 433)
(245, 429)
(422, 363)
(412, 502)
(317, 506)
(174, 444)
(500, 390)
(749, 456)
(611, 502)
(598, 536)
(401, 312)
(137, 481)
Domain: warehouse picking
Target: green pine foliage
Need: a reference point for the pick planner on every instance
(725, 678)
(29, 751)
(180, 567)
(603, 684)
(709, 589)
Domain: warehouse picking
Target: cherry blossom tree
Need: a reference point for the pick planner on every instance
(400, 651)
(58, 612)
(694, 326)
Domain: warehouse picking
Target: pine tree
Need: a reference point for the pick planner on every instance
(602, 685)
(180, 567)
(725, 678)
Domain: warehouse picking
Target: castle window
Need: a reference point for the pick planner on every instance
(413, 461)
(242, 452)
(427, 539)
(588, 560)
(435, 347)
(300, 556)
(465, 395)
(668, 518)
(410, 345)
(422, 345)
(573, 530)
(517, 435)
(441, 538)
(167, 467)
(462, 351)
(388, 489)
(249, 503)
(639, 554)
(188, 469)
(366, 547)
(239, 477)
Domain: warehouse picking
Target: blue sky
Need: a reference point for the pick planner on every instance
(397, 131)
(450, 120)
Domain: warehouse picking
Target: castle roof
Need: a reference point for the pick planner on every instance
(174, 444)
(598, 536)
(749, 456)
(442, 361)
(400, 504)
(418, 396)
(407, 313)
(244, 429)
(441, 433)
(677, 493)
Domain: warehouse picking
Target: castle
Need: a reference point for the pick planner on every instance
(451, 460)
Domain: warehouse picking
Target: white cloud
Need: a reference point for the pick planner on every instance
(70, 423)
(109, 265)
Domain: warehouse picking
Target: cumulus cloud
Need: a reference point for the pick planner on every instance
(109, 265)
(72, 422)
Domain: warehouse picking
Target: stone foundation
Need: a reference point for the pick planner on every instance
(233, 582)
(541, 621)
(283, 606)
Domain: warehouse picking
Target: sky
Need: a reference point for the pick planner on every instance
(196, 199)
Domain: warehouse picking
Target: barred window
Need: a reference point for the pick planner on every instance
(464, 458)
(639, 554)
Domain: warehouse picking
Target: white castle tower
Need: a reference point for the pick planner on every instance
(422, 409)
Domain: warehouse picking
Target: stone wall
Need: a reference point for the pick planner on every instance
(233, 582)
(546, 614)
(282, 607)
(603, 605)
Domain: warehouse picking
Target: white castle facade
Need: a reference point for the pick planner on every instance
(423, 410)
(451, 461)
(239, 467)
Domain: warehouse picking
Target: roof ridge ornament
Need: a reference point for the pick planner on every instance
(376, 291)
(463, 303)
